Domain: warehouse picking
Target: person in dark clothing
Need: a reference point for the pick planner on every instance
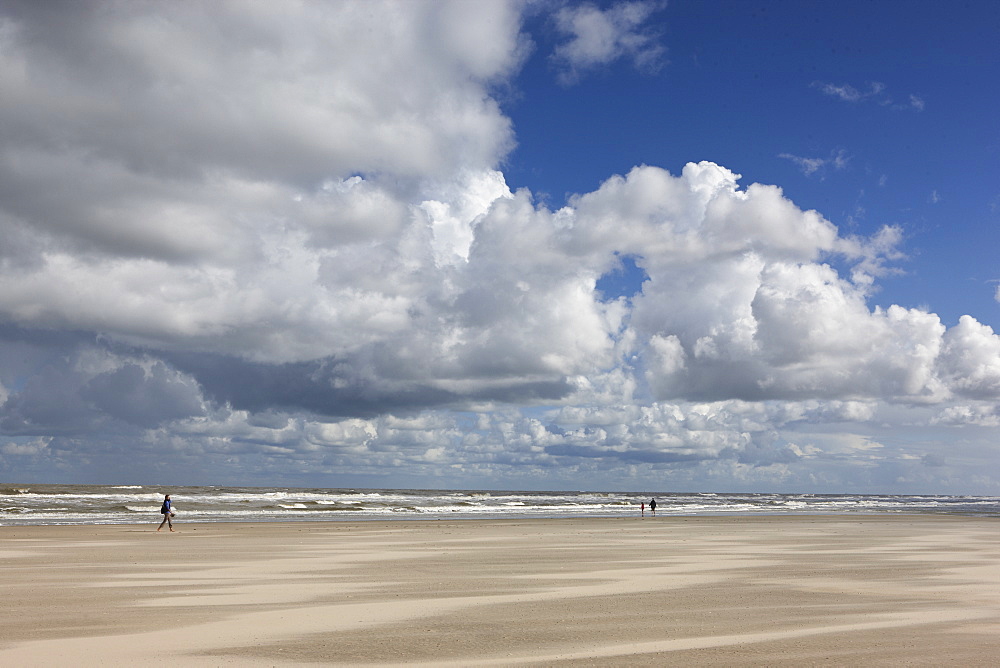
(167, 513)
(652, 507)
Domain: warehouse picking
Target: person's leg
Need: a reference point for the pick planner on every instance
(166, 516)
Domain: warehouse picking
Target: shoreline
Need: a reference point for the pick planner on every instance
(698, 590)
(504, 517)
(117, 504)
(734, 515)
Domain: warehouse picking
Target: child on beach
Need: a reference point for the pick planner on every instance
(167, 513)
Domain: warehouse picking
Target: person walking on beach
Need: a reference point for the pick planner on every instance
(652, 507)
(167, 513)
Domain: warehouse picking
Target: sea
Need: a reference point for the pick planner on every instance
(22, 505)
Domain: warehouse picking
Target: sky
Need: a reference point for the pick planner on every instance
(671, 246)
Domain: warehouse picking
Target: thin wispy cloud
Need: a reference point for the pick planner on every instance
(837, 160)
(849, 93)
(873, 91)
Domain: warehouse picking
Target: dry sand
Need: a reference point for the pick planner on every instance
(775, 591)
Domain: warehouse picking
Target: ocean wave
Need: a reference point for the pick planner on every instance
(131, 504)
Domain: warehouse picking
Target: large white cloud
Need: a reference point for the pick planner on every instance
(181, 174)
(270, 236)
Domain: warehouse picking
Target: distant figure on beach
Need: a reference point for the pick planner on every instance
(652, 507)
(642, 508)
(167, 513)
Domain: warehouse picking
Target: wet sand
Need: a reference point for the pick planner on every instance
(774, 591)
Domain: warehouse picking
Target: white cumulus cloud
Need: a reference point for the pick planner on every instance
(597, 37)
(276, 241)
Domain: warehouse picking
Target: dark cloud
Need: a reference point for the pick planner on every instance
(324, 387)
(144, 397)
(49, 403)
(337, 388)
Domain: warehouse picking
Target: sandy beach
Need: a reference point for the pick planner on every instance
(786, 591)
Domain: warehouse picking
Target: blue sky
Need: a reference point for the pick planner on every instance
(900, 92)
(712, 246)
